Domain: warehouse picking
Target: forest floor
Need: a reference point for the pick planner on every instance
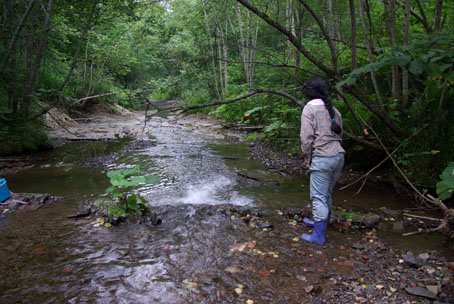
(372, 271)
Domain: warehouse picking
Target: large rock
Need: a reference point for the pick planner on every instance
(421, 292)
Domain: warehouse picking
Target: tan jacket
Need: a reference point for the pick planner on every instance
(317, 139)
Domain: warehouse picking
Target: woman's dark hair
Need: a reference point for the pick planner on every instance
(315, 88)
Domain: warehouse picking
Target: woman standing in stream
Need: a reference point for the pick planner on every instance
(321, 128)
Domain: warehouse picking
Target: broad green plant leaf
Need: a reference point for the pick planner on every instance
(152, 179)
(111, 189)
(445, 187)
(132, 202)
(416, 67)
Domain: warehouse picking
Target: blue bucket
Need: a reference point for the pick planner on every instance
(4, 192)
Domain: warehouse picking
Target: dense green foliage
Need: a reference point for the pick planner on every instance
(200, 51)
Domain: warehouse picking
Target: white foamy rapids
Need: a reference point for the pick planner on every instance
(214, 192)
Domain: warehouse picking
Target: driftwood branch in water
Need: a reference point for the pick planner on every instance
(423, 217)
(425, 231)
(447, 223)
(257, 179)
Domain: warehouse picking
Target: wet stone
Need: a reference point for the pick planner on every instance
(421, 292)
(371, 220)
(82, 212)
(424, 256)
(357, 246)
(411, 260)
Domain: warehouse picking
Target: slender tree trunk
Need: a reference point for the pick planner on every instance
(252, 55)
(298, 20)
(220, 61)
(90, 80)
(213, 62)
(405, 75)
(16, 33)
(390, 6)
(219, 33)
(5, 19)
(331, 46)
(422, 18)
(242, 44)
(30, 87)
(29, 53)
(81, 40)
(331, 29)
(12, 94)
(353, 32)
(226, 57)
(437, 21)
(369, 53)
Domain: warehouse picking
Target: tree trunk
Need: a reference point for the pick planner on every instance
(369, 53)
(437, 21)
(331, 46)
(405, 75)
(353, 33)
(252, 55)
(242, 44)
(331, 30)
(30, 87)
(422, 18)
(16, 33)
(391, 26)
(226, 57)
(219, 38)
(81, 40)
(213, 62)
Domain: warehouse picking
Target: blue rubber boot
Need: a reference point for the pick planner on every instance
(318, 235)
(310, 223)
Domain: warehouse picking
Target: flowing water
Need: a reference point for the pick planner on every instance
(198, 255)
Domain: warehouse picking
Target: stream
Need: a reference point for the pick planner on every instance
(198, 254)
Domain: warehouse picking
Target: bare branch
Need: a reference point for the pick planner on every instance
(217, 103)
(424, 231)
(95, 96)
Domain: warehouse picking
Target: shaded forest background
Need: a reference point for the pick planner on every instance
(388, 63)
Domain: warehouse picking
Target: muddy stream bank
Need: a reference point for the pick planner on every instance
(224, 237)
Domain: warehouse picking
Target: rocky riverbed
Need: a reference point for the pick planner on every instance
(201, 252)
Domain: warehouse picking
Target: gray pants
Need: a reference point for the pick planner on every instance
(324, 173)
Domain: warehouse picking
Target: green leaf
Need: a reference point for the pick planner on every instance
(448, 172)
(444, 67)
(445, 187)
(125, 172)
(152, 179)
(349, 81)
(111, 189)
(416, 67)
(132, 202)
(400, 60)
